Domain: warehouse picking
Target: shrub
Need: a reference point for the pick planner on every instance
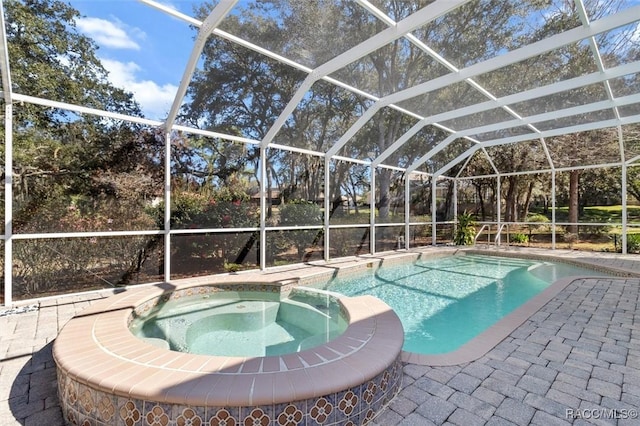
(301, 213)
(570, 238)
(538, 218)
(232, 267)
(465, 230)
(519, 238)
(218, 208)
(541, 223)
(633, 243)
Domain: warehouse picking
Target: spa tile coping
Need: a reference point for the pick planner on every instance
(97, 348)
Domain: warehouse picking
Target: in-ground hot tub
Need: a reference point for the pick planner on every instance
(245, 323)
(107, 375)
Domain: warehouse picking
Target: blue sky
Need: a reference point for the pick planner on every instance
(144, 49)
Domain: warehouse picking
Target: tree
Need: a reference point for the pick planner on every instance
(301, 213)
(633, 182)
(580, 149)
(632, 148)
(57, 150)
(243, 88)
(402, 64)
(73, 172)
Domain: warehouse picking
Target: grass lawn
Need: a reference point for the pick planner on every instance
(601, 214)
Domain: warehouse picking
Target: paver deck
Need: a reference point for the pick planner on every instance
(575, 361)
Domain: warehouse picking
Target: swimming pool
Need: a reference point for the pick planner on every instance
(445, 302)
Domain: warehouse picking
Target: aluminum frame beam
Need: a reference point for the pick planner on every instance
(545, 134)
(576, 82)
(525, 52)
(573, 35)
(561, 113)
(420, 18)
(433, 54)
(5, 68)
(216, 16)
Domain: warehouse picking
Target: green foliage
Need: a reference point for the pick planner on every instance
(220, 208)
(465, 230)
(216, 208)
(633, 243)
(519, 238)
(540, 222)
(297, 213)
(232, 267)
(73, 172)
(537, 218)
(43, 41)
(300, 212)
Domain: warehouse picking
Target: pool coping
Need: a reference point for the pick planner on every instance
(487, 340)
(96, 349)
(316, 271)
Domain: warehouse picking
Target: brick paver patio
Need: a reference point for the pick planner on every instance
(576, 361)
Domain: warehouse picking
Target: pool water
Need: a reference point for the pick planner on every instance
(245, 325)
(445, 302)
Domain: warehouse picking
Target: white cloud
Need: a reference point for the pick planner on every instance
(635, 36)
(154, 99)
(109, 34)
(168, 4)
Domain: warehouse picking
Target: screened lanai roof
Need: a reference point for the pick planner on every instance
(418, 86)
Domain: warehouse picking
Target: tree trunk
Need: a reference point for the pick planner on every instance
(481, 199)
(633, 187)
(510, 200)
(384, 183)
(527, 201)
(269, 195)
(574, 205)
(135, 265)
(446, 207)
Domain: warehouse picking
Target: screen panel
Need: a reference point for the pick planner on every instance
(390, 196)
(420, 201)
(566, 62)
(379, 133)
(302, 31)
(349, 192)
(389, 238)
(585, 148)
(295, 189)
(519, 157)
(426, 139)
(325, 113)
(196, 255)
(354, 241)
(45, 267)
(214, 183)
(294, 246)
(85, 173)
